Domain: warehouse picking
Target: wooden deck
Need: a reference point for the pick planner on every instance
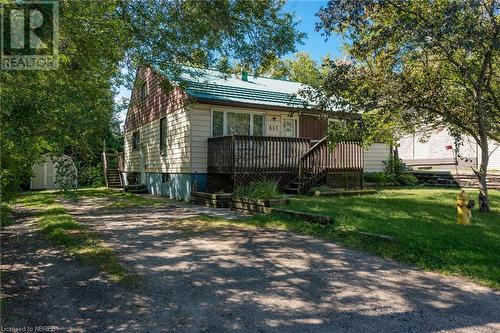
(244, 154)
(249, 158)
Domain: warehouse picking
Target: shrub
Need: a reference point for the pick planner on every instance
(407, 179)
(379, 178)
(91, 175)
(394, 165)
(384, 178)
(67, 177)
(258, 190)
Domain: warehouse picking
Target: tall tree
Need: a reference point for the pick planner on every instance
(64, 110)
(421, 62)
(169, 33)
(301, 68)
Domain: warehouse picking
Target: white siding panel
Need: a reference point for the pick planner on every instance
(375, 155)
(494, 161)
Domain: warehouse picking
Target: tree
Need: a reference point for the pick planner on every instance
(301, 68)
(66, 110)
(418, 62)
(167, 34)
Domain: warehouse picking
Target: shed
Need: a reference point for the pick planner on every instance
(44, 173)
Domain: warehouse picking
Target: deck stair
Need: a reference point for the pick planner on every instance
(319, 160)
(113, 178)
(112, 164)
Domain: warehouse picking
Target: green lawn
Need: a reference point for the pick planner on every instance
(424, 223)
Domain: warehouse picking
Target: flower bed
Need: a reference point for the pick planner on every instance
(249, 205)
(215, 200)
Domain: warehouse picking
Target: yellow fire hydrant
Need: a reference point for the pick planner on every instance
(464, 207)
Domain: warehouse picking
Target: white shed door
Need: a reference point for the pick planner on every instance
(50, 174)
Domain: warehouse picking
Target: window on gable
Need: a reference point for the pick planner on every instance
(163, 134)
(135, 140)
(144, 91)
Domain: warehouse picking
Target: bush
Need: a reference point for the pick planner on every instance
(379, 178)
(407, 179)
(91, 175)
(384, 178)
(394, 165)
(258, 190)
(67, 177)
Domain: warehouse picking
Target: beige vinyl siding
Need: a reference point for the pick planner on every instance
(201, 130)
(375, 155)
(177, 151)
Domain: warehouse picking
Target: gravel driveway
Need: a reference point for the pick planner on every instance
(229, 279)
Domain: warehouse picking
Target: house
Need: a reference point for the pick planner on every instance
(437, 151)
(207, 131)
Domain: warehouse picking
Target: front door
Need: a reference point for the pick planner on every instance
(289, 127)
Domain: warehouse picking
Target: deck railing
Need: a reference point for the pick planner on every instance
(241, 153)
(321, 159)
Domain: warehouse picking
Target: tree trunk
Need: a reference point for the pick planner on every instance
(483, 199)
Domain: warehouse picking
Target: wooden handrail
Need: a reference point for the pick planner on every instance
(313, 148)
(319, 160)
(105, 167)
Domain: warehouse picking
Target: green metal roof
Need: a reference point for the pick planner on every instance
(212, 85)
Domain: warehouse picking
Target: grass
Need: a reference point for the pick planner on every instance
(63, 230)
(120, 199)
(258, 190)
(6, 218)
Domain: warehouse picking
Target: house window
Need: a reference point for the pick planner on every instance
(135, 140)
(237, 123)
(163, 134)
(217, 124)
(335, 121)
(258, 125)
(144, 90)
(165, 178)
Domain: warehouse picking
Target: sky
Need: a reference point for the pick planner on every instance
(314, 43)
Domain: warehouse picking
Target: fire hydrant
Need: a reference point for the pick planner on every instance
(464, 207)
